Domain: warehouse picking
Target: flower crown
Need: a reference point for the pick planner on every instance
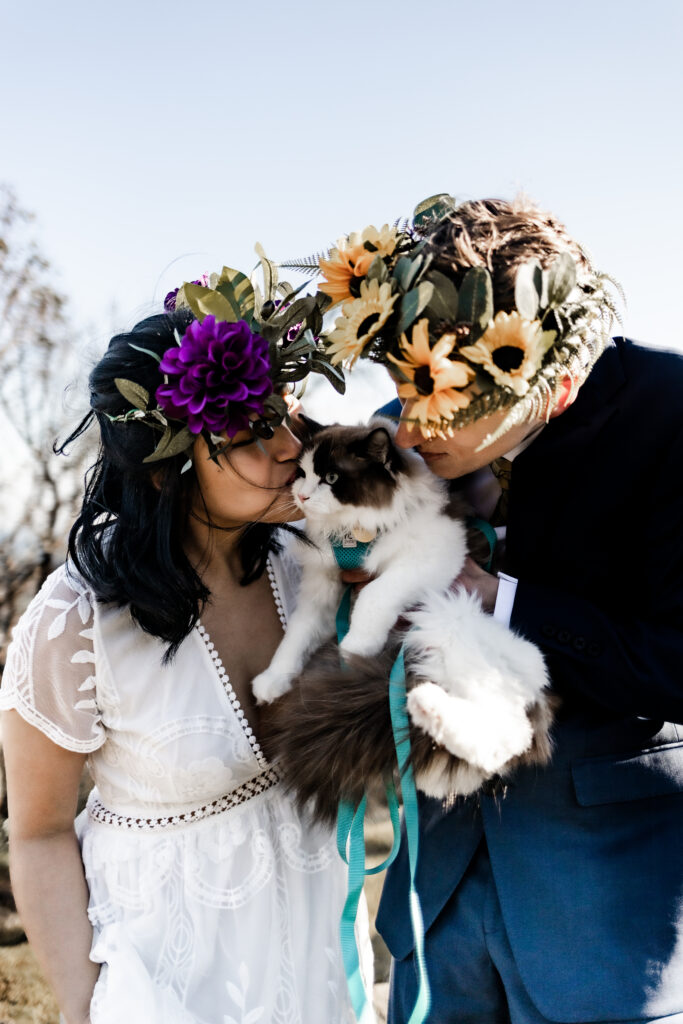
(454, 359)
(234, 364)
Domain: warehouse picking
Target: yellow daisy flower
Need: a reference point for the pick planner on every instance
(361, 320)
(434, 388)
(511, 350)
(352, 260)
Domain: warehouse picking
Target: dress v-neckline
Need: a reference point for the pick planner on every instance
(222, 673)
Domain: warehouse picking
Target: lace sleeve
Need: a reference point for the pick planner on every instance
(49, 677)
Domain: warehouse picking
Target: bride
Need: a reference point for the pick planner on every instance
(190, 891)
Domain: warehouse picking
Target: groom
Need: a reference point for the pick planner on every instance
(562, 899)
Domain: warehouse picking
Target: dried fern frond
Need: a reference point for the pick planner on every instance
(309, 265)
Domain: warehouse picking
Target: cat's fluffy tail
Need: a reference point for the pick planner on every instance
(331, 733)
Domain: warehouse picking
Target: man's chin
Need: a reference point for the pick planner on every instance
(439, 464)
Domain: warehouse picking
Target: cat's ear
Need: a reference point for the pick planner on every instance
(304, 427)
(378, 445)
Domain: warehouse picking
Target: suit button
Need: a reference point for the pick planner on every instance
(564, 636)
(594, 649)
(549, 630)
(579, 643)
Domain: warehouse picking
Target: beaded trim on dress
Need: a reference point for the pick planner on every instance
(253, 787)
(225, 678)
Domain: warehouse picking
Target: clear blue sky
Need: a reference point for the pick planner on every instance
(141, 132)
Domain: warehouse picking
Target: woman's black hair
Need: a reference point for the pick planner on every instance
(127, 541)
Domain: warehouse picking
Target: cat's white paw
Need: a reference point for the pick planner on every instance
(268, 685)
(425, 706)
(487, 734)
(364, 644)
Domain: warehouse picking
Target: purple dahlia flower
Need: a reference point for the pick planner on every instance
(169, 301)
(217, 377)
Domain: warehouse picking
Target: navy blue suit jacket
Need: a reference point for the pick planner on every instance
(587, 854)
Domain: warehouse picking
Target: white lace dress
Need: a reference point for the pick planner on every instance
(211, 902)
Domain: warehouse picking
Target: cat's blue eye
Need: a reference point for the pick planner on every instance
(331, 478)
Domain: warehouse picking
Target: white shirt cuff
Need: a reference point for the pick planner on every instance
(507, 588)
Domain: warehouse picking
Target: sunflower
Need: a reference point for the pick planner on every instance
(352, 258)
(361, 320)
(435, 382)
(511, 350)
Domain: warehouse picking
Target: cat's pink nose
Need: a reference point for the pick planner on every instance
(304, 497)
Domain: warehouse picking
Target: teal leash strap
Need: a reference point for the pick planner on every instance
(350, 837)
(401, 726)
(347, 933)
(491, 536)
(351, 847)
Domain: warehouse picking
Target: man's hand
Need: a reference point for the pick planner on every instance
(357, 577)
(476, 580)
(473, 579)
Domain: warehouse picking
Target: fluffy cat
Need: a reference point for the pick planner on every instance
(477, 694)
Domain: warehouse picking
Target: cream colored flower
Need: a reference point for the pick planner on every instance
(511, 350)
(361, 320)
(351, 259)
(436, 383)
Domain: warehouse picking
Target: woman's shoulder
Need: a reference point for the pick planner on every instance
(49, 675)
(63, 591)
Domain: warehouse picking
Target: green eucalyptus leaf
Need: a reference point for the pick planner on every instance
(443, 304)
(272, 336)
(237, 289)
(180, 442)
(133, 393)
(293, 372)
(561, 279)
(300, 346)
(378, 271)
(158, 452)
(412, 304)
(476, 298)
(434, 208)
(315, 320)
(410, 276)
(402, 271)
(277, 404)
(324, 302)
(528, 290)
(207, 302)
(146, 351)
(171, 444)
(331, 373)
(298, 312)
(270, 273)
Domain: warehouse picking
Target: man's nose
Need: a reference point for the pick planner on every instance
(405, 437)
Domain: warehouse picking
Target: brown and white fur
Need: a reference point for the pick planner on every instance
(476, 690)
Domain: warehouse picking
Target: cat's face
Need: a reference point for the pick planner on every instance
(342, 468)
